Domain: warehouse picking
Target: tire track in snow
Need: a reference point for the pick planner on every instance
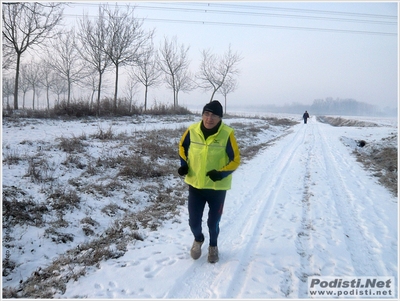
(247, 221)
(298, 268)
(360, 244)
(265, 194)
(294, 178)
(304, 238)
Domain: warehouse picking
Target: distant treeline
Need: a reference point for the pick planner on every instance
(330, 106)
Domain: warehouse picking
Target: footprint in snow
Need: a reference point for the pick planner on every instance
(112, 284)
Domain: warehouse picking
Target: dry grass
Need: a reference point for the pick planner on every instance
(382, 162)
(379, 158)
(11, 155)
(19, 208)
(339, 121)
(73, 144)
(247, 135)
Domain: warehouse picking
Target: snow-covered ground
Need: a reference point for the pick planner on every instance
(302, 207)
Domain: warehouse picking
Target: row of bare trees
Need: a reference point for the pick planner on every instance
(114, 39)
(24, 26)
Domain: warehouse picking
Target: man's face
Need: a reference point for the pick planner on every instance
(210, 120)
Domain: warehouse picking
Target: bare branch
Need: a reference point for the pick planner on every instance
(214, 71)
(93, 37)
(126, 41)
(174, 63)
(146, 72)
(227, 87)
(64, 58)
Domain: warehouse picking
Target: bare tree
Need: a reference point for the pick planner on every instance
(46, 80)
(38, 93)
(93, 36)
(174, 63)
(228, 86)
(126, 41)
(215, 70)
(7, 88)
(146, 72)
(59, 86)
(33, 76)
(63, 57)
(93, 82)
(184, 82)
(26, 24)
(130, 87)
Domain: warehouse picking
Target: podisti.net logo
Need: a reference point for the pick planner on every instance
(351, 287)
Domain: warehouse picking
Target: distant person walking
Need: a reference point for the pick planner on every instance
(306, 116)
(209, 154)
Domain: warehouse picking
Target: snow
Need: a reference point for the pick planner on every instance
(302, 207)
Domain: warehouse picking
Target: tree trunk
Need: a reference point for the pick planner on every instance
(48, 99)
(225, 104)
(16, 81)
(145, 97)
(116, 88)
(212, 95)
(98, 96)
(69, 92)
(91, 100)
(33, 100)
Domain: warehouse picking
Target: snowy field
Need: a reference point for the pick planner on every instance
(303, 206)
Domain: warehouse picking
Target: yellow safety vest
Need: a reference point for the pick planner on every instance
(206, 155)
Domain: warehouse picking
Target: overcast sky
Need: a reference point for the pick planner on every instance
(293, 52)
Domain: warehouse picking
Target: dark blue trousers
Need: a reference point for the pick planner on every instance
(197, 202)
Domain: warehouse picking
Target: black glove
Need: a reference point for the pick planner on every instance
(183, 170)
(214, 175)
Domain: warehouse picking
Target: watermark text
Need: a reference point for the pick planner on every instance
(356, 287)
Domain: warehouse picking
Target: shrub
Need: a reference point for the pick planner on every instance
(78, 108)
(11, 156)
(164, 109)
(72, 145)
(40, 170)
(62, 199)
(104, 134)
(138, 167)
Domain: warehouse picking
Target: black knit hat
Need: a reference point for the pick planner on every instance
(214, 107)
